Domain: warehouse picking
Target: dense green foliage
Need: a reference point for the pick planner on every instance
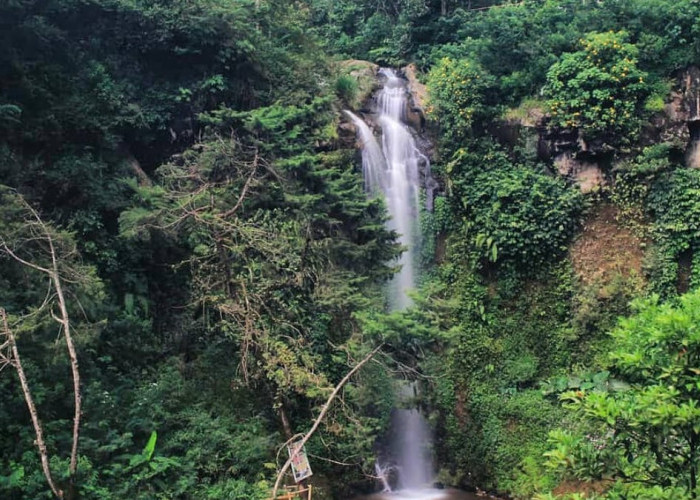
(185, 156)
(457, 89)
(645, 434)
(519, 326)
(224, 268)
(513, 213)
(599, 89)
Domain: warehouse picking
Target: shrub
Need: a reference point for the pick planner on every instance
(346, 88)
(599, 89)
(457, 90)
(514, 213)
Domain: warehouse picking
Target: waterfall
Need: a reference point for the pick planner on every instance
(411, 443)
(373, 164)
(393, 169)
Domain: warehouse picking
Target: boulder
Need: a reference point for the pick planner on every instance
(587, 174)
(679, 122)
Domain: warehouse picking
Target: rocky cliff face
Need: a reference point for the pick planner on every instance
(588, 163)
(681, 112)
(365, 75)
(415, 113)
(690, 111)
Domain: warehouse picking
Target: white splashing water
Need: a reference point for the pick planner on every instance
(402, 190)
(393, 170)
(412, 448)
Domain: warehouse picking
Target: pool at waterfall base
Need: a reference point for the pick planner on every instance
(426, 494)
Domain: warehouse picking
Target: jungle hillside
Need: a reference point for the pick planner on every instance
(193, 274)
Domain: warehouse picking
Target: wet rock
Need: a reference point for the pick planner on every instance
(693, 150)
(347, 133)
(556, 141)
(690, 88)
(691, 107)
(418, 90)
(679, 122)
(415, 113)
(671, 125)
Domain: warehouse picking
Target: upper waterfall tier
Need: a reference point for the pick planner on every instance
(396, 174)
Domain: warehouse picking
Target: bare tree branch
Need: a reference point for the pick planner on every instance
(321, 415)
(63, 317)
(22, 261)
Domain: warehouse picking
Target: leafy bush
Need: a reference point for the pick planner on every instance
(647, 434)
(674, 204)
(457, 90)
(599, 89)
(346, 88)
(514, 213)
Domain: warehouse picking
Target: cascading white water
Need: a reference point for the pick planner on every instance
(373, 163)
(393, 169)
(402, 186)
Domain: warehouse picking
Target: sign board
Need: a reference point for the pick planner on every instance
(300, 462)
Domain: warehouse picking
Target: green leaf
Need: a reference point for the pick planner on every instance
(150, 446)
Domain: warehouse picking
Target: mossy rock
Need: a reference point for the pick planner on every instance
(364, 73)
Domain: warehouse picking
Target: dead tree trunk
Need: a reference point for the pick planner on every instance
(64, 320)
(52, 271)
(14, 360)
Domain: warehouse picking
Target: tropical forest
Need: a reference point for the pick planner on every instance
(349, 249)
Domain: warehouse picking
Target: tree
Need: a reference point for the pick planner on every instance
(35, 245)
(599, 89)
(457, 98)
(9, 356)
(282, 247)
(645, 436)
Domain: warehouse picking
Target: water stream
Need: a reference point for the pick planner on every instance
(391, 167)
(393, 170)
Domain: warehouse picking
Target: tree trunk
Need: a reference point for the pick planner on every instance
(285, 423)
(64, 321)
(693, 464)
(72, 353)
(38, 430)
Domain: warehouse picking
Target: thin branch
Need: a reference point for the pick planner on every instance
(336, 462)
(279, 450)
(22, 261)
(319, 419)
(244, 191)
